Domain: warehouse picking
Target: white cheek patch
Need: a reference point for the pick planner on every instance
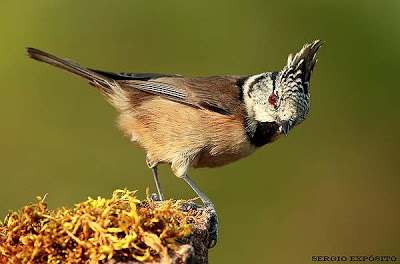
(263, 113)
(249, 102)
(258, 108)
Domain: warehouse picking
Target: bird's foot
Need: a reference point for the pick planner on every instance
(210, 240)
(154, 197)
(213, 228)
(190, 206)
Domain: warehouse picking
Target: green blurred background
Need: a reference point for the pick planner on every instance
(330, 188)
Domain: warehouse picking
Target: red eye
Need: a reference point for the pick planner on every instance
(272, 99)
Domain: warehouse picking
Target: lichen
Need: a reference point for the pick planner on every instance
(94, 231)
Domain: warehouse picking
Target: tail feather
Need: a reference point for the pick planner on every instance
(100, 81)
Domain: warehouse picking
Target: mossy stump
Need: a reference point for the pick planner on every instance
(113, 231)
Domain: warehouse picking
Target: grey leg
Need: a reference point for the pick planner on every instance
(213, 229)
(157, 180)
(202, 196)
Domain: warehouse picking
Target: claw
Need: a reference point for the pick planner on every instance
(190, 206)
(213, 229)
(154, 197)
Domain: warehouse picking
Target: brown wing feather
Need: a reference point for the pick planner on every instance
(220, 94)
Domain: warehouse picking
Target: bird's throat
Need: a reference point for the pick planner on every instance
(264, 133)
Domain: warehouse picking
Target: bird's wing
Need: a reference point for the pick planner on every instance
(134, 76)
(221, 94)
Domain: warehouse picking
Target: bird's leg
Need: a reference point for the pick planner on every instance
(157, 180)
(196, 189)
(213, 229)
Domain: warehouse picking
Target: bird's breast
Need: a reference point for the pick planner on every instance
(224, 155)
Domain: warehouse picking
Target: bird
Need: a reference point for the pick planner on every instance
(194, 122)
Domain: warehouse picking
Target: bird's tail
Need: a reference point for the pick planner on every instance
(103, 83)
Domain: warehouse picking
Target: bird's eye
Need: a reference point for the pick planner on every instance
(272, 99)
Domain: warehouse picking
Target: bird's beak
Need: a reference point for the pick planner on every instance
(285, 127)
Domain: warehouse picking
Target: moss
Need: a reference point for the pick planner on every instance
(94, 231)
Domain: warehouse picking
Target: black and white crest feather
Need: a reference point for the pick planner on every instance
(299, 68)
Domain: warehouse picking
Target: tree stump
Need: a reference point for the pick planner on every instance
(120, 230)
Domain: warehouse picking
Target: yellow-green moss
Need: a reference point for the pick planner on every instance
(94, 231)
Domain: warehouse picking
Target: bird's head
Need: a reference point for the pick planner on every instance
(282, 98)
